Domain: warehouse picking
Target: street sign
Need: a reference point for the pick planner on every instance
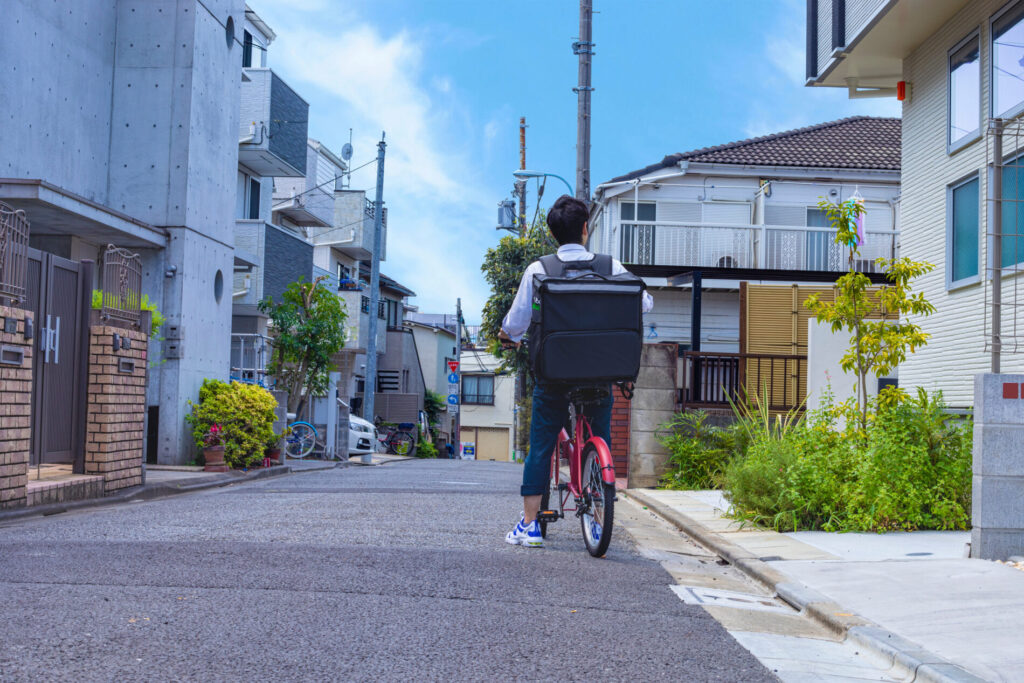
(453, 409)
(453, 399)
(468, 450)
(453, 389)
(453, 378)
(453, 365)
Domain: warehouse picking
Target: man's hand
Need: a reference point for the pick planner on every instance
(506, 341)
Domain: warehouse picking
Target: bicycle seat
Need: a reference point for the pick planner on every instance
(588, 393)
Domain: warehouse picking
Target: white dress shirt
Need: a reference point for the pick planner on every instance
(517, 320)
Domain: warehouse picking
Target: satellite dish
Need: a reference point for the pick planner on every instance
(346, 151)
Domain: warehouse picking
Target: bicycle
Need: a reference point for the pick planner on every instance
(591, 483)
(396, 440)
(303, 437)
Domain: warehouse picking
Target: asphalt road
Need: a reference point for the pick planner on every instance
(375, 573)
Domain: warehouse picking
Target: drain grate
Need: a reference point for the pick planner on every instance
(698, 595)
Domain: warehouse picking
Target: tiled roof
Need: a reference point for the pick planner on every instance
(856, 142)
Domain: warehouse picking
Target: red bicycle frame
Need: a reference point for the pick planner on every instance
(572, 449)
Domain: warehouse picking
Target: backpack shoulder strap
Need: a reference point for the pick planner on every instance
(603, 264)
(553, 266)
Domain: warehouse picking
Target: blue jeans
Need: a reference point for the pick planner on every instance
(549, 415)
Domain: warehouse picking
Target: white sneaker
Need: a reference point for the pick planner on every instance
(527, 535)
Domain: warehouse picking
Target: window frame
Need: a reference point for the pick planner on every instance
(634, 220)
(477, 395)
(974, 135)
(253, 183)
(952, 284)
(1014, 111)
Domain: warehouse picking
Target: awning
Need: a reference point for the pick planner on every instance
(52, 210)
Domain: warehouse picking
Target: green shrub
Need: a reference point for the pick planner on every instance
(698, 451)
(156, 320)
(245, 412)
(909, 469)
(425, 449)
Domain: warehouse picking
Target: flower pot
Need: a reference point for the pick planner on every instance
(273, 455)
(214, 458)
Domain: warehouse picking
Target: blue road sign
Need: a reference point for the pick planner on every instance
(453, 399)
(453, 378)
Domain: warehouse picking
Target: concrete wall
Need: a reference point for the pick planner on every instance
(67, 80)
(825, 350)
(653, 405)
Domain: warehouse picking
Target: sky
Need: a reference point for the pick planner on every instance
(447, 81)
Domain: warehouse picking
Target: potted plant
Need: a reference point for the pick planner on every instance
(273, 451)
(213, 449)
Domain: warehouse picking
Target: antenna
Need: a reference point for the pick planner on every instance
(346, 154)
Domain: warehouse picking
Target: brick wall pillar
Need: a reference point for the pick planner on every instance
(653, 404)
(620, 434)
(116, 405)
(15, 407)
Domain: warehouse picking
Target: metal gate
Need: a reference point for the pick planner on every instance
(59, 294)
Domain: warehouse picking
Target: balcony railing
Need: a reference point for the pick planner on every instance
(769, 247)
(249, 356)
(717, 380)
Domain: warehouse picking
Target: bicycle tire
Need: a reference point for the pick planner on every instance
(401, 443)
(301, 441)
(596, 523)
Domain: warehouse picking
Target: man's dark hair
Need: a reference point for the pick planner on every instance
(566, 219)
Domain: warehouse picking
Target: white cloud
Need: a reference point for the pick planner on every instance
(439, 211)
(782, 101)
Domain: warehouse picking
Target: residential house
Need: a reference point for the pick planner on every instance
(740, 224)
(957, 67)
(131, 142)
(435, 341)
(487, 405)
(271, 248)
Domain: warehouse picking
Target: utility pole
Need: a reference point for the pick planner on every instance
(584, 47)
(458, 359)
(521, 184)
(370, 385)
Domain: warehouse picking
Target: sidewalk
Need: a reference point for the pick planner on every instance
(914, 597)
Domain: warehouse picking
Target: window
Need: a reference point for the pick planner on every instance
(342, 272)
(393, 308)
(962, 232)
(964, 93)
(364, 304)
(478, 389)
(253, 203)
(642, 211)
(380, 310)
(818, 241)
(1012, 227)
(1008, 62)
(246, 49)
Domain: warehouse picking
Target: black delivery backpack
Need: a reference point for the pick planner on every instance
(588, 327)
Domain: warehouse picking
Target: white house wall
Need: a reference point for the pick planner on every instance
(671, 316)
(956, 351)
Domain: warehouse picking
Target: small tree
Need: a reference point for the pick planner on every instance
(307, 329)
(434, 405)
(876, 346)
(503, 269)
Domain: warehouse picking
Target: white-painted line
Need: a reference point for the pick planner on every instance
(699, 595)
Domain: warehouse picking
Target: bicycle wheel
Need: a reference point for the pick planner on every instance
(401, 443)
(301, 441)
(599, 499)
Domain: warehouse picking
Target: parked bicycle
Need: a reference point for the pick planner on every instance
(396, 439)
(591, 483)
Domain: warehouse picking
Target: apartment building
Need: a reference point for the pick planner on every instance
(956, 65)
(701, 227)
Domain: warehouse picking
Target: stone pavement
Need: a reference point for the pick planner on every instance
(914, 597)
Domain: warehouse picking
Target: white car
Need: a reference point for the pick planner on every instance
(362, 436)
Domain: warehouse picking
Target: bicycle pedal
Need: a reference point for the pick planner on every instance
(548, 516)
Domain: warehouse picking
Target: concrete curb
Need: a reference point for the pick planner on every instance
(921, 664)
(151, 492)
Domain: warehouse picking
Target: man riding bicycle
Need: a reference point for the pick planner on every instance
(567, 221)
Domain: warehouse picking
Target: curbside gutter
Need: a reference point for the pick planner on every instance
(153, 492)
(919, 663)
